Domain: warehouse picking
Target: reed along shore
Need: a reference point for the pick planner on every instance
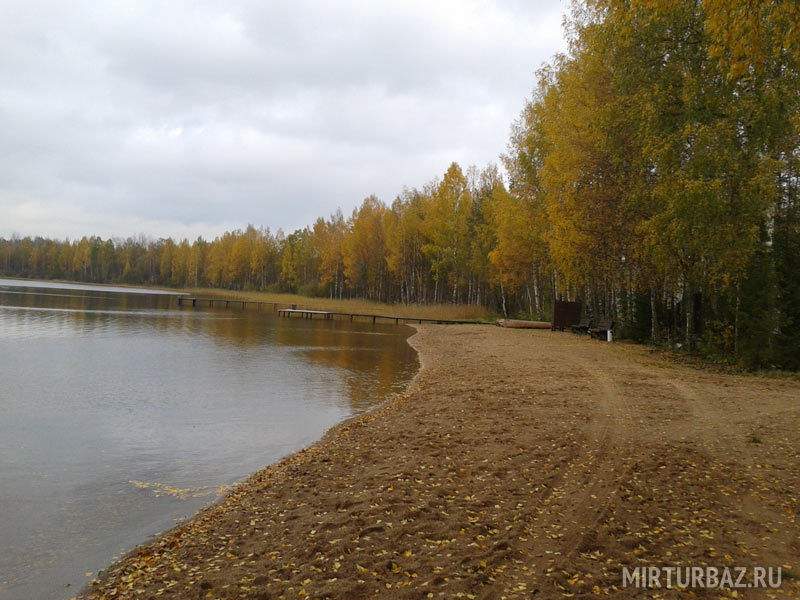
(519, 464)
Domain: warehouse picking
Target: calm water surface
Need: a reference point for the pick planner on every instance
(121, 413)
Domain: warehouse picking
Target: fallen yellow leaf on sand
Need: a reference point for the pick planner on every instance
(464, 453)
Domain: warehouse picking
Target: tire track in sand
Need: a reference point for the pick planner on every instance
(589, 484)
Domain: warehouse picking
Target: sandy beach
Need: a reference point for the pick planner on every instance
(519, 464)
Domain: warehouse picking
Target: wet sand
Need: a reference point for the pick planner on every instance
(519, 464)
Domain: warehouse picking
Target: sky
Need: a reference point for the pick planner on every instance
(181, 119)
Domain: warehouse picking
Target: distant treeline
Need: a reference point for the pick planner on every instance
(430, 246)
(653, 175)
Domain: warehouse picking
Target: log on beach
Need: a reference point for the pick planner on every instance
(520, 324)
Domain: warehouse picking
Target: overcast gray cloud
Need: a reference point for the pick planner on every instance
(189, 118)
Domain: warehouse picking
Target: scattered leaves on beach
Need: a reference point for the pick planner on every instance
(543, 475)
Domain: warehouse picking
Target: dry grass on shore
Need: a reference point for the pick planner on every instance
(456, 312)
(453, 312)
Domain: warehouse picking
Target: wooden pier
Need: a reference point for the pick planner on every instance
(329, 315)
(242, 304)
(306, 313)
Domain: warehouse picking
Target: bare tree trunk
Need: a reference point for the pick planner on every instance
(736, 322)
(687, 314)
(653, 316)
(688, 330)
(630, 305)
(530, 301)
(555, 285)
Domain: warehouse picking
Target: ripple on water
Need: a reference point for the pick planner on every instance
(102, 389)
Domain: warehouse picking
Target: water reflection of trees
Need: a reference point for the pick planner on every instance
(375, 360)
(80, 311)
(80, 299)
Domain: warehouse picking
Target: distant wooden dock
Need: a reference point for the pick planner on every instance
(329, 315)
(305, 313)
(292, 310)
(184, 300)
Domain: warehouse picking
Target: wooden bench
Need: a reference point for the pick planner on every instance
(582, 327)
(602, 329)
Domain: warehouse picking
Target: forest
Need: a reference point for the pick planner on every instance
(652, 174)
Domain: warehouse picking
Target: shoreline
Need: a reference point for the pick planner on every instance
(291, 459)
(443, 311)
(515, 461)
(157, 290)
(319, 303)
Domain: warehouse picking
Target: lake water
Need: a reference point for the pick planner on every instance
(121, 413)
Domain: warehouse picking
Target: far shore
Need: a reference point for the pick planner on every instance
(519, 463)
(167, 290)
(433, 311)
(354, 305)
